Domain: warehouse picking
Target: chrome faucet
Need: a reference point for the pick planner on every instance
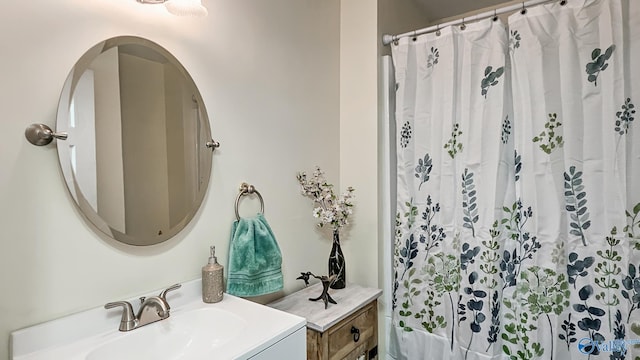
(152, 309)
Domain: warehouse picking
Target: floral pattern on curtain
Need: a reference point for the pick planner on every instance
(518, 211)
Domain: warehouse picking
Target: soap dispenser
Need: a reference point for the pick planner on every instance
(212, 286)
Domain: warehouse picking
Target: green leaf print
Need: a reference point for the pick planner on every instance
(633, 225)
(453, 146)
(490, 258)
(444, 272)
(413, 290)
(549, 140)
(411, 213)
(542, 291)
(576, 203)
(489, 266)
(516, 331)
(608, 272)
(427, 316)
(599, 63)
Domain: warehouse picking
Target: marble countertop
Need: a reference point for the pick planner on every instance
(350, 299)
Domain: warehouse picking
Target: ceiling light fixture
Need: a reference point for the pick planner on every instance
(181, 7)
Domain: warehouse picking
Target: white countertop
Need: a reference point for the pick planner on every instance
(75, 336)
(350, 299)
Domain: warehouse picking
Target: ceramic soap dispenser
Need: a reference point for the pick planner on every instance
(212, 286)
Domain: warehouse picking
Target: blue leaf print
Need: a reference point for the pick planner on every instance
(589, 323)
(405, 135)
(408, 253)
(518, 163)
(433, 234)
(506, 130)
(577, 267)
(475, 305)
(569, 329)
(599, 63)
(432, 58)
(619, 332)
(514, 40)
(494, 330)
(527, 244)
(467, 256)
(631, 292)
(576, 203)
(469, 205)
(423, 169)
(625, 117)
(490, 79)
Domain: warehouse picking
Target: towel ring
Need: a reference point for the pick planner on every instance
(246, 189)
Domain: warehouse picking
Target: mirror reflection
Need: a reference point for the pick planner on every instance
(135, 161)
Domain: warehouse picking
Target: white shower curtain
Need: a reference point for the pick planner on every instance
(517, 219)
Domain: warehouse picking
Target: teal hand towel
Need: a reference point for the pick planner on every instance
(255, 261)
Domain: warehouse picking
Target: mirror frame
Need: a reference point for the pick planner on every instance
(204, 149)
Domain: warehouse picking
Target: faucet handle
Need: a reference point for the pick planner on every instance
(128, 320)
(164, 292)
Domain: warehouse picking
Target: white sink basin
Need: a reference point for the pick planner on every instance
(231, 329)
(190, 335)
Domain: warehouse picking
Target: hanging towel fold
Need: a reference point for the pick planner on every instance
(255, 261)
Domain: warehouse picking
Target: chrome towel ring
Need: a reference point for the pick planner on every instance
(246, 189)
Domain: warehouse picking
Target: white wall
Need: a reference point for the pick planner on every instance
(358, 133)
(362, 24)
(268, 72)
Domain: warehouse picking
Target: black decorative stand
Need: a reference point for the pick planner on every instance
(326, 282)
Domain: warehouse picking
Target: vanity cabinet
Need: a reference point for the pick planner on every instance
(347, 330)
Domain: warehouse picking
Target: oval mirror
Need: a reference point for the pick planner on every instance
(137, 159)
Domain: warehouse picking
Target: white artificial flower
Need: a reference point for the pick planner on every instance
(330, 208)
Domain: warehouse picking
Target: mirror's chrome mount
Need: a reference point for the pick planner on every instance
(41, 134)
(213, 145)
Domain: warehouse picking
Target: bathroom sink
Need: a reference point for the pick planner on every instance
(193, 334)
(233, 329)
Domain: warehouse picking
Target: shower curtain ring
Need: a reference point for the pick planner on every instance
(415, 37)
(438, 32)
(463, 26)
(495, 15)
(524, 9)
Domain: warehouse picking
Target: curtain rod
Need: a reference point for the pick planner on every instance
(388, 39)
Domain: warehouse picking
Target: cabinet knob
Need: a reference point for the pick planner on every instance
(356, 333)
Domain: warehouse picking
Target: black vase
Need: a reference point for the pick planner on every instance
(337, 265)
